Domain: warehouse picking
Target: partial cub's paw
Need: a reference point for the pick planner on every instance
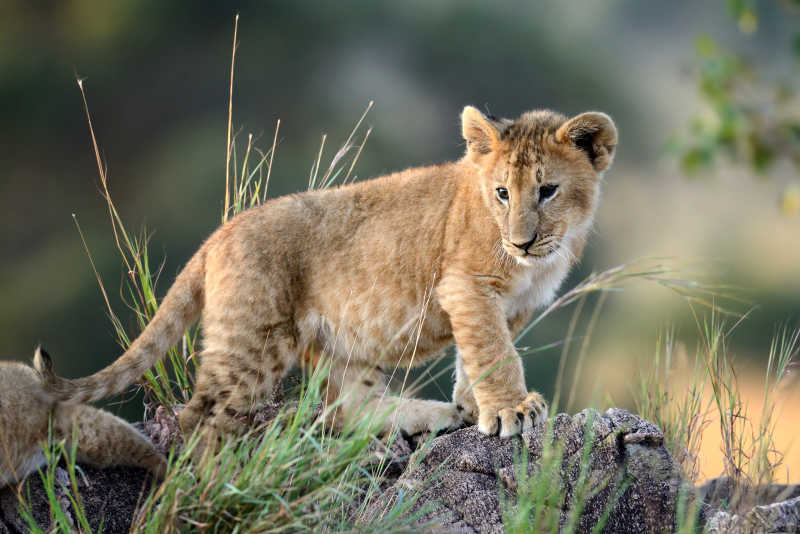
(467, 411)
(157, 465)
(436, 418)
(447, 419)
(510, 421)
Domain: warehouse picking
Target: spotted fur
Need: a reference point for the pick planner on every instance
(26, 410)
(387, 273)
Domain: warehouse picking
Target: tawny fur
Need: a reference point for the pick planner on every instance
(386, 273)
(25, 410)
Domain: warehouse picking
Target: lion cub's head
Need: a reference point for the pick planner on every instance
(539, 175)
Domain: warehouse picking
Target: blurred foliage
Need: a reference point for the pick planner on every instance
(157, 78)
(752, 116)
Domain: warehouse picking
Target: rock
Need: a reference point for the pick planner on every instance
(163, 429)
(781, 516)
(724, 493)
(750, 510)
(462, 475)
(775, 518)
(109, 496)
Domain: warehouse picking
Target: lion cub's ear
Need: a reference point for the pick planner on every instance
(595, 134)
(480, 133)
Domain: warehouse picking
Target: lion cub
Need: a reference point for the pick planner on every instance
(25, 410)
(384, 273)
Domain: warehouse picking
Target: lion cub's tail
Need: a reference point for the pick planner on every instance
(179, 309)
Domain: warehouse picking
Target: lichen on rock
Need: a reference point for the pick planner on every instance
(465, 472)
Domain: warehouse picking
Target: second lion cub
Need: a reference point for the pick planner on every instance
(29, 415)
(388, 272)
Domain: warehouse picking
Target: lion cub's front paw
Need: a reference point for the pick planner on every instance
(510, 421)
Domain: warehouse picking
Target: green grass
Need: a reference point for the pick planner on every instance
(539, 493)
(66, 510)
(292, 474)
(683, 412)
(295, 475)
(682, 415)
(751, 457)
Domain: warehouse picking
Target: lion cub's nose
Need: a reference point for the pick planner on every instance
(526, 245)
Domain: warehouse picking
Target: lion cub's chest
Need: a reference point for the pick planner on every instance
(532, 287)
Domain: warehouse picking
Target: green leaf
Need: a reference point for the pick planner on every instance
(696, 158)
(762, 155)
(736, 7)
(705, 45)
(748, 21)
(794, 130)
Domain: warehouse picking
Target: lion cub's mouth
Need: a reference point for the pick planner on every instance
(541, 251)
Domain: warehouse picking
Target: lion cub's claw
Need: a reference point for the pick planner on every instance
(511, 421)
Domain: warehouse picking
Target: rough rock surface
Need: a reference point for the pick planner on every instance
(460, 471)
(463, 474)
(765, 509)
(775, 518)
(109, 496)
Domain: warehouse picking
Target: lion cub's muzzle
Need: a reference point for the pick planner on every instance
(537, 247)
(526, 245)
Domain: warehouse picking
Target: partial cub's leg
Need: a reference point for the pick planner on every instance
(361, 391)
(488, 357)
(467, 406)
(249, 335)
(463, 397)
(105, 440)
(239, 370)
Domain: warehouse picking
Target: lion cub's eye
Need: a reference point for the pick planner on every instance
(547, 191)
(502, 194)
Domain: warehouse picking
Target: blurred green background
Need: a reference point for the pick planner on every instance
(157, 76)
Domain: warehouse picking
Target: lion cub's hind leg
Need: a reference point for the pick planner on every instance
(238, 372)
(360, 391)
(104, 439)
